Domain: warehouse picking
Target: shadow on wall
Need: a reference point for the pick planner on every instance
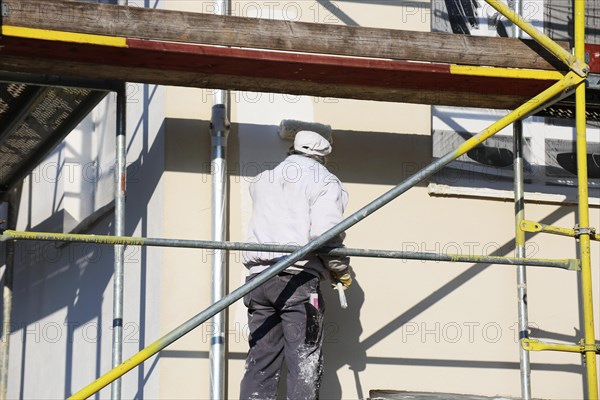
(358, 157)
(346, 348)
(342, 347)
(50, 277)
(41, 263)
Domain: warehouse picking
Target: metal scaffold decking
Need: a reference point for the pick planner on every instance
(139, 45)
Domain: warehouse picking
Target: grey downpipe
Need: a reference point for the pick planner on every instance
(523, 323)
(118, 278)
(219, 134)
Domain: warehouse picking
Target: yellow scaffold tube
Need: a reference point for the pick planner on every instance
(60, 36)
(496, 72)
(531, 226)
(576, 64)
(584, 218)
(536, 345)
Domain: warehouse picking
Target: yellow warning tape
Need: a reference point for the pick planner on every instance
(491, 72)
(71, 37)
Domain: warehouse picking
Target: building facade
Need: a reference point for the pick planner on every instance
(410, 325)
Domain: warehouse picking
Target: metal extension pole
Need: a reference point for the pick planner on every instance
(118, 278)
(584, 218)
(219, 133)
(526, 109)
(519, 189)
(7, 309)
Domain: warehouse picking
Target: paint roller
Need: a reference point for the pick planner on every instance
(287, 130)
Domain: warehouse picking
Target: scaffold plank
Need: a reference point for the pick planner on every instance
(203, 66)
(199, 28)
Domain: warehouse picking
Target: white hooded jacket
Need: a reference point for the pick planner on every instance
(293, 204)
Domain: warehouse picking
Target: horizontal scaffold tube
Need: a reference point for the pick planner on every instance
(530, 226)
(570, 264)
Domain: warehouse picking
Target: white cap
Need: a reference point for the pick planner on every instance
(311, 143)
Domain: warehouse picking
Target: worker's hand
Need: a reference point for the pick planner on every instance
(336, 264)
(342, 277)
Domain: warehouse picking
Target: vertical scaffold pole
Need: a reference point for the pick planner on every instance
(525, 368)
(584, 220)
(119, 269)
(519, 189)
(118, 278)
(7, 306)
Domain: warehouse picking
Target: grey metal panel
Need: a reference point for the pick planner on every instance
(558, 20)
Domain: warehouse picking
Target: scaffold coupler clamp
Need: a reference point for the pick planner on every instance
(5, 11)
(595, 347)
(578, 231)
(4, 8)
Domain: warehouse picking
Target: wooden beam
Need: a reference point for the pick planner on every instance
(213, 81)
(179, 64)
(176, 26)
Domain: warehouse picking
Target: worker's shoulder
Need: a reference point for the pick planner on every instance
(314, 170)
(297, 169)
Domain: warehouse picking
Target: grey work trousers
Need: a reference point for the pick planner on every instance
(285, 316)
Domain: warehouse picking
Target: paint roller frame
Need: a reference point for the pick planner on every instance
(288, 128)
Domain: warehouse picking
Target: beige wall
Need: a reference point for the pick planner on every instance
(410, 325)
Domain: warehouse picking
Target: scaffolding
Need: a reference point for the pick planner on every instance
(572, 80)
